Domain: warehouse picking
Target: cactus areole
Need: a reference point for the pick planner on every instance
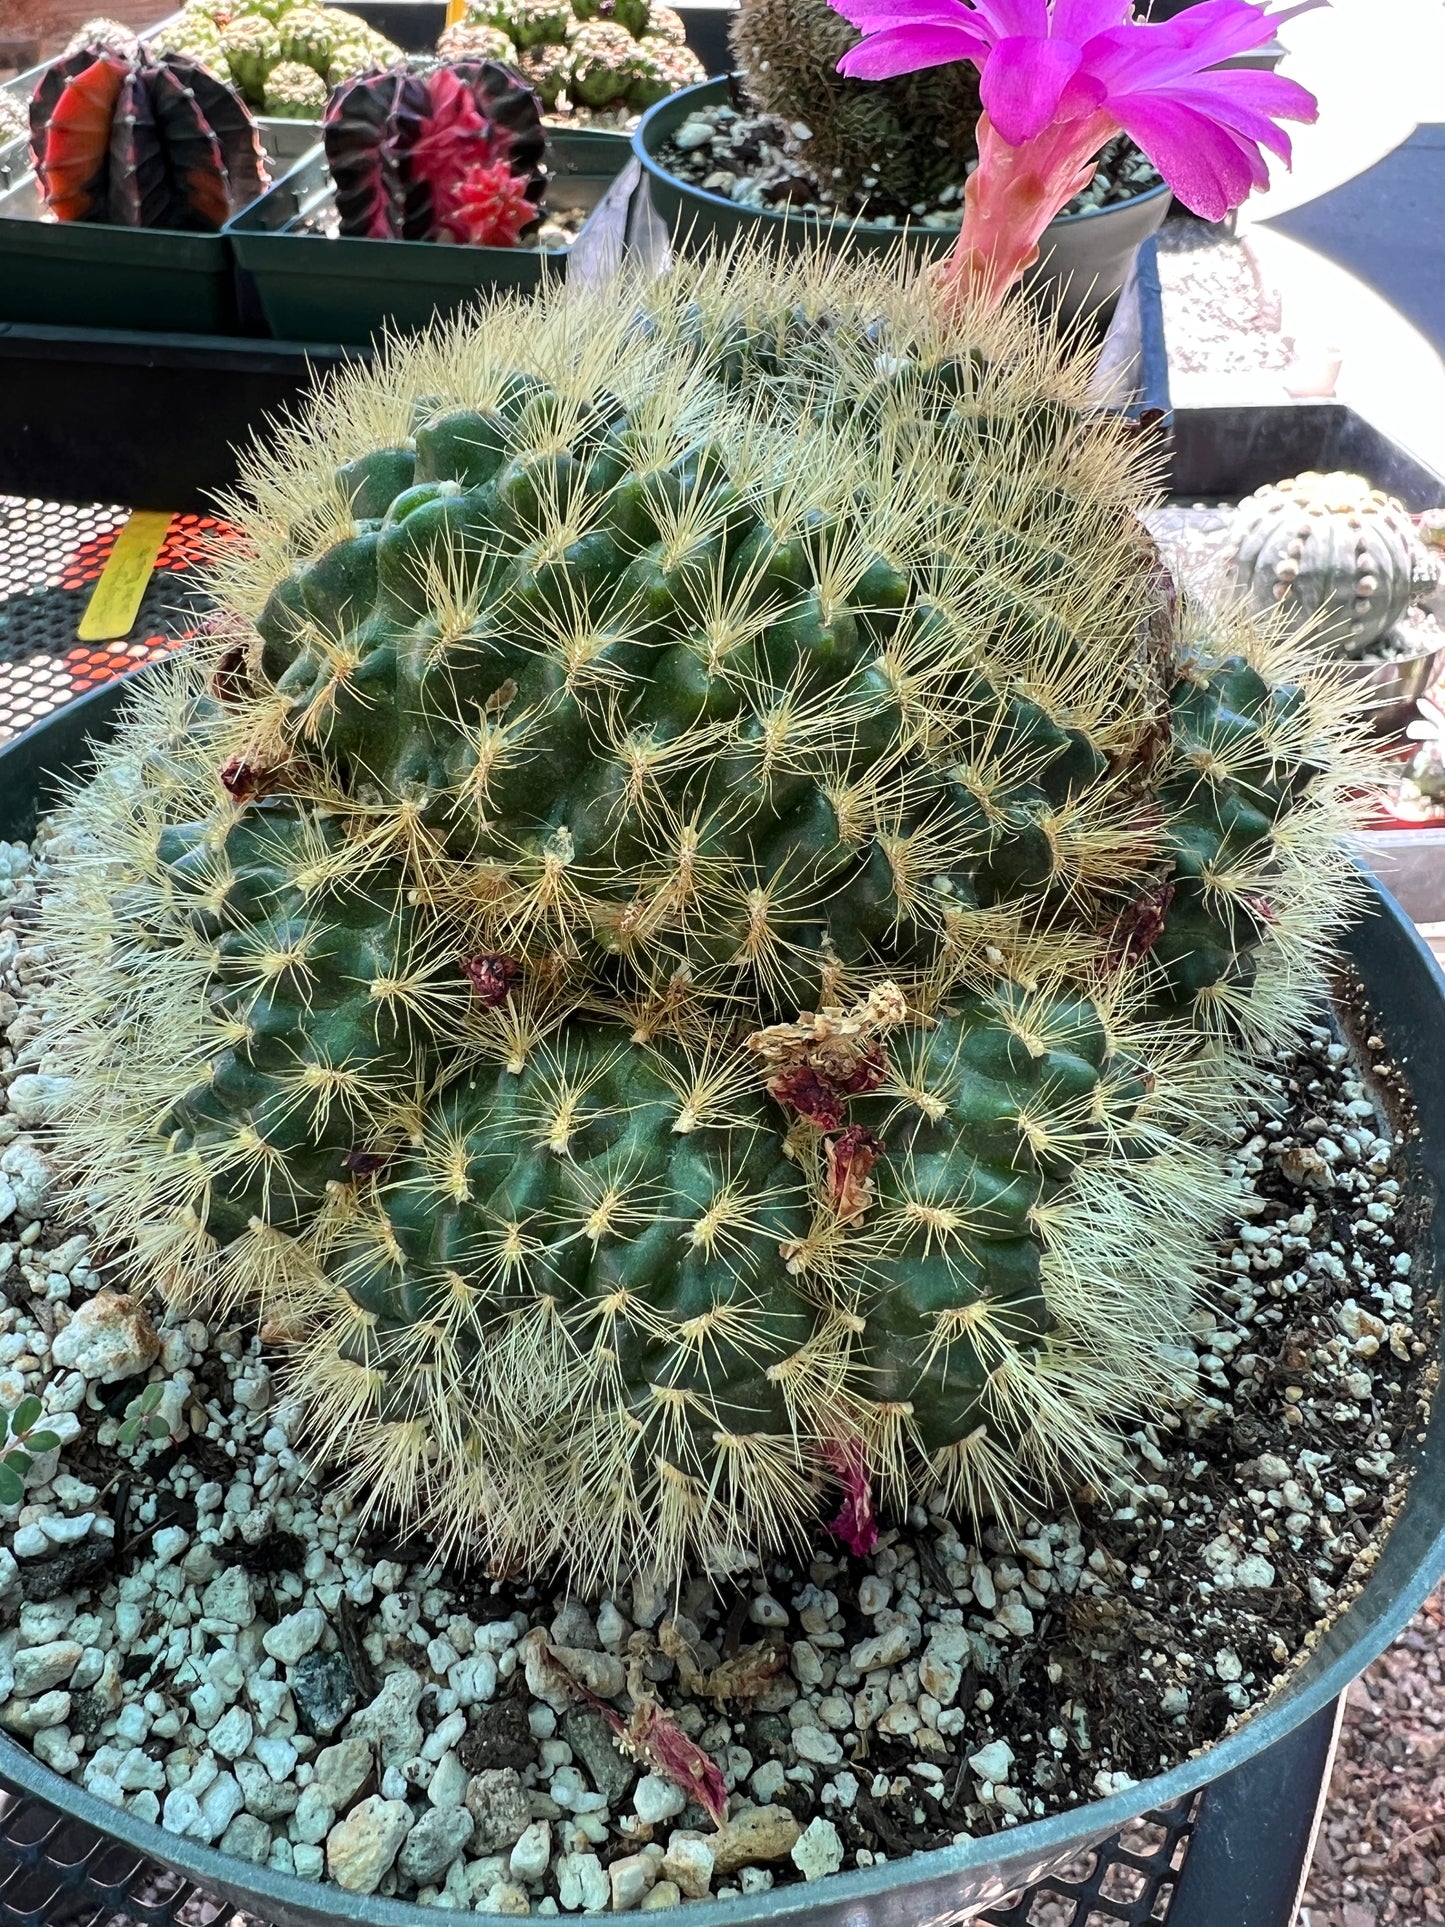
(142, 140)
(700, 934)
(454, 155)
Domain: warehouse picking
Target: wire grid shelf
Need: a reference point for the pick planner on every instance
(59, 1872)
(51, 557)
(56, 1871)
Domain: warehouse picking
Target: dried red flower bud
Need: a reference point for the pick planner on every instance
(229, 677)
(856, 1524)
(365, 1164)
(491, 976)
(248, 776)
(1142, 924)
(809, 1095)
(867, 1074)
(851, 1157)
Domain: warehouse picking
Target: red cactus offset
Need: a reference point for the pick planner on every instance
(454, 155)
(142, 141)
(490, 208)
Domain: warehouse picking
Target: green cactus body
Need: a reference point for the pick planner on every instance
(475, 40)
(194, 33)
(784, 867)
(295, 92)
(529, 23)
(327, 996)
(308, 36)
(606, 64)
(202, 44)
(546, 71)
(592, 1249)
(252, 47)
(663, 23)
(870, 886)
(278, 995)
(667, 67)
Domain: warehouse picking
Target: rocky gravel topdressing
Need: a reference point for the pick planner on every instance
(193, 1629)
(759, 161)
(1380, 1857)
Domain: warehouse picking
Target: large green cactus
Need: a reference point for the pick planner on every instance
(761, 705)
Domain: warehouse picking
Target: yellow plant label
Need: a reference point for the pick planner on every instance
(111, 611)
(456, 12)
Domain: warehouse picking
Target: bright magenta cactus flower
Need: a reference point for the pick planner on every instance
(1060, 78)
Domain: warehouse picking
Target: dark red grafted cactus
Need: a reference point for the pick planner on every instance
(454, 155)
(142, 142)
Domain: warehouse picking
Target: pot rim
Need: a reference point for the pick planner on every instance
(850, 223)
(911, 1883)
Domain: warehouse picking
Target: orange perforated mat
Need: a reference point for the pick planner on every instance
(52, 554)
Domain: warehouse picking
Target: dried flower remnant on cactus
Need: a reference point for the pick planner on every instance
(1059, 79)
(816, 1064)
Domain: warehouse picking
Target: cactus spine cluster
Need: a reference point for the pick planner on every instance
(754, 699)
(906, 138)
(1331, 551)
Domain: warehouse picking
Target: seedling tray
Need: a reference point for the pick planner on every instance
(158, 279)
(319, 287)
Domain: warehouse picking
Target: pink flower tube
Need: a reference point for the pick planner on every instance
(1059, 79)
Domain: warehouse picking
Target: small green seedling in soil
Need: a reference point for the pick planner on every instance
(142, 1419)
(20, 1446)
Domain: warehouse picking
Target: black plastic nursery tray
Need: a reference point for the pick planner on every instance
(313, 286)
(54, 272)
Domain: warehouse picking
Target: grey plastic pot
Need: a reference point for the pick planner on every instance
(1407, 994)
(1083, 262)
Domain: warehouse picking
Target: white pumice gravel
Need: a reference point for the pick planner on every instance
(197, 1630)
(758, 161)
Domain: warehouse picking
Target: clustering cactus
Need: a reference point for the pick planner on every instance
(476, 40)
(753, 695)
(1333, 551)
(600, 56)
(452, 155)
(906, 138)
(247, 43)
(102, 31)
(295, 92)
(140, 141)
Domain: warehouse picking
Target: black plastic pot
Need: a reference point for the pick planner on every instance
(59, 272)
(317, 287)
(1083, 258)
(1407, 994)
